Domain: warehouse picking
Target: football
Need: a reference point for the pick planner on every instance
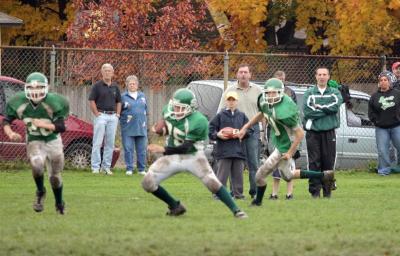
(229, 132)
(160, 128)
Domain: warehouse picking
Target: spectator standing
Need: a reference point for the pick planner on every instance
(248, 94)
(276, 175)
(396, 72)
(134, 126)
(105, 104)
(229, 151)
(384, 113)
(321, 104)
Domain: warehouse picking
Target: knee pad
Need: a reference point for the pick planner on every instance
(37, 163)
(212, 183)
(57, 163)
(148, 183)
(55, 181)
(260, 180)
(287, 176)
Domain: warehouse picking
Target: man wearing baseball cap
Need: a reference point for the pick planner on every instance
(396, 72)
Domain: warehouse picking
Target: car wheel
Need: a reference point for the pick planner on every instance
(79, 155)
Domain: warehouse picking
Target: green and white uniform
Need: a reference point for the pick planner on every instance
(184, 152)
(50, 109)
(193, 127)
(43, 144)
(283, 118)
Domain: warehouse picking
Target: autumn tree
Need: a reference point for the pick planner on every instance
(243, 31)
(45, 20)
(350, 27)
(139, 24)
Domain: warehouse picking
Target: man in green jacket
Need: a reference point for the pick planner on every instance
(320, 107)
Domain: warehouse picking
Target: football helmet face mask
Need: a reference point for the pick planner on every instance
(182, 104)
(36, 87)
(273, 91)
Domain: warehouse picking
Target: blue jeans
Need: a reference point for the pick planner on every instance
(252, 153)
(104, 128)
(383, 139)
(132, 143)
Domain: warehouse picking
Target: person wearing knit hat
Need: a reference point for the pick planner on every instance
(384, 113)
(396, 72)
(390, 76)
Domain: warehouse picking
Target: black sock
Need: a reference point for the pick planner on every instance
(58, 194)
(162, 194)
(260, 193)
(306, 174)
(39, 183)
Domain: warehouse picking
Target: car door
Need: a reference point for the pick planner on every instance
(356, 136)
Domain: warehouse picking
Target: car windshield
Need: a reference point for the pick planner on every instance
(207, 102)
(7, 90)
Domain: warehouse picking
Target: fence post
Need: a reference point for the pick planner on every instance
(52, 66)
(226, 70)
(383, 62)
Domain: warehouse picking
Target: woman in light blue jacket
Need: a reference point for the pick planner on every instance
(134, 126)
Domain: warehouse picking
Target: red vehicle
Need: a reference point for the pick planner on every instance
(77, 139)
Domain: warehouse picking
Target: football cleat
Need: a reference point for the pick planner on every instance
(240, 215)
(60, 208)
(255, 203)
(179, 210)
(38, 205)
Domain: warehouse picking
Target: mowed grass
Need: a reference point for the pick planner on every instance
(112, 215)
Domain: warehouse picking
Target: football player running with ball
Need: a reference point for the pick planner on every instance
(282, 115)
(43, 114)
(184, 151)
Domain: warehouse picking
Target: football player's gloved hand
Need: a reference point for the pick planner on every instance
(296, 155)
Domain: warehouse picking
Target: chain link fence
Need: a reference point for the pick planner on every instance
(72, 72)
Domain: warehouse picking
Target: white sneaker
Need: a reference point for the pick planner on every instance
(142, 173)
(129, 173)
(95, 171)
(108, 172)
(240, 215)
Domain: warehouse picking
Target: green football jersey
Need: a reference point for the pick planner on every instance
(283, 118)
(50, 109)
(193, 127)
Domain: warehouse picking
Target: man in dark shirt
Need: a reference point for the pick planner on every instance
(105, 104)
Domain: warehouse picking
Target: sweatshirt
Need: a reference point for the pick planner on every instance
(384, 108)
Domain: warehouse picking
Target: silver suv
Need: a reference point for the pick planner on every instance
(355, 140)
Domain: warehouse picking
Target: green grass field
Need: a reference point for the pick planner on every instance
(114, 216)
